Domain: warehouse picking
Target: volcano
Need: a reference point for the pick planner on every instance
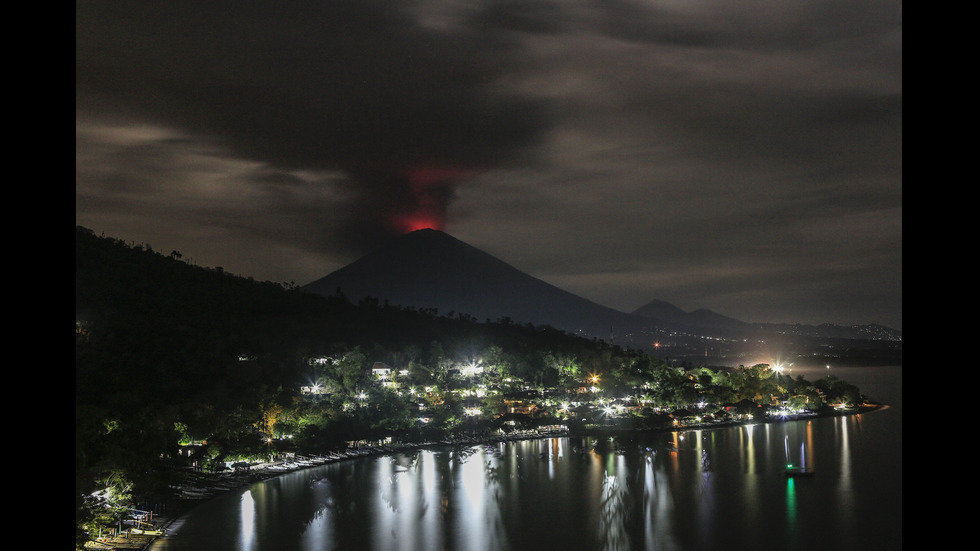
(429, 268)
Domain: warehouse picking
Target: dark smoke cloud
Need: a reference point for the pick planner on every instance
(739, 156)
(353, 86)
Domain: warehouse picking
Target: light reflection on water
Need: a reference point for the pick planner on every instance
(646, 496)
(248, 521)
(705, 489)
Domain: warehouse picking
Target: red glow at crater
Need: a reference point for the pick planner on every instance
(413, 222)
(432, 189)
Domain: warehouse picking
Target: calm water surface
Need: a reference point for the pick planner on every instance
(709, 489)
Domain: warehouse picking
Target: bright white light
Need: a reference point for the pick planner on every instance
(248, 519)
(472, 368)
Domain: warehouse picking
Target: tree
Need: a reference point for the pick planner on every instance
(270, 413)
(351, 370)
(566, 367)
(106, 508)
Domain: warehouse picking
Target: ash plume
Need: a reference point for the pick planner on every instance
(404, 111)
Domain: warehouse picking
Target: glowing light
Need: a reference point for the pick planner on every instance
(431, 189)
(473, 368)
(418, 221)
(247, 513)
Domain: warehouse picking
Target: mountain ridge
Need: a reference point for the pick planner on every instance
(431, 269)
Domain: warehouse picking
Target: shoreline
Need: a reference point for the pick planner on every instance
(218, 484)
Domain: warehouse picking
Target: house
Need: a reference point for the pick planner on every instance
(381, 370)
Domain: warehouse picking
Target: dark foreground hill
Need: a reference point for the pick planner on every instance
(158, 332)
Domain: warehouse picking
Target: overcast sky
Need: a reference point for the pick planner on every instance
(741, 156)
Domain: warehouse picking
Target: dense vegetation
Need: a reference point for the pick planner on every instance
(169, 354)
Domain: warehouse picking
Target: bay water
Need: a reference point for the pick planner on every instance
(722, 488)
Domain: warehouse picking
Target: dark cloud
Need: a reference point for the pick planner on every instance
(743, 157)
(353, 86)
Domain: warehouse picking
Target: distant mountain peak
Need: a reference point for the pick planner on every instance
(702, 317)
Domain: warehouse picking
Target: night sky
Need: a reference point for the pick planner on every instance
(744, 157)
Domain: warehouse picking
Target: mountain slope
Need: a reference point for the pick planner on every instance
(431, 269)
